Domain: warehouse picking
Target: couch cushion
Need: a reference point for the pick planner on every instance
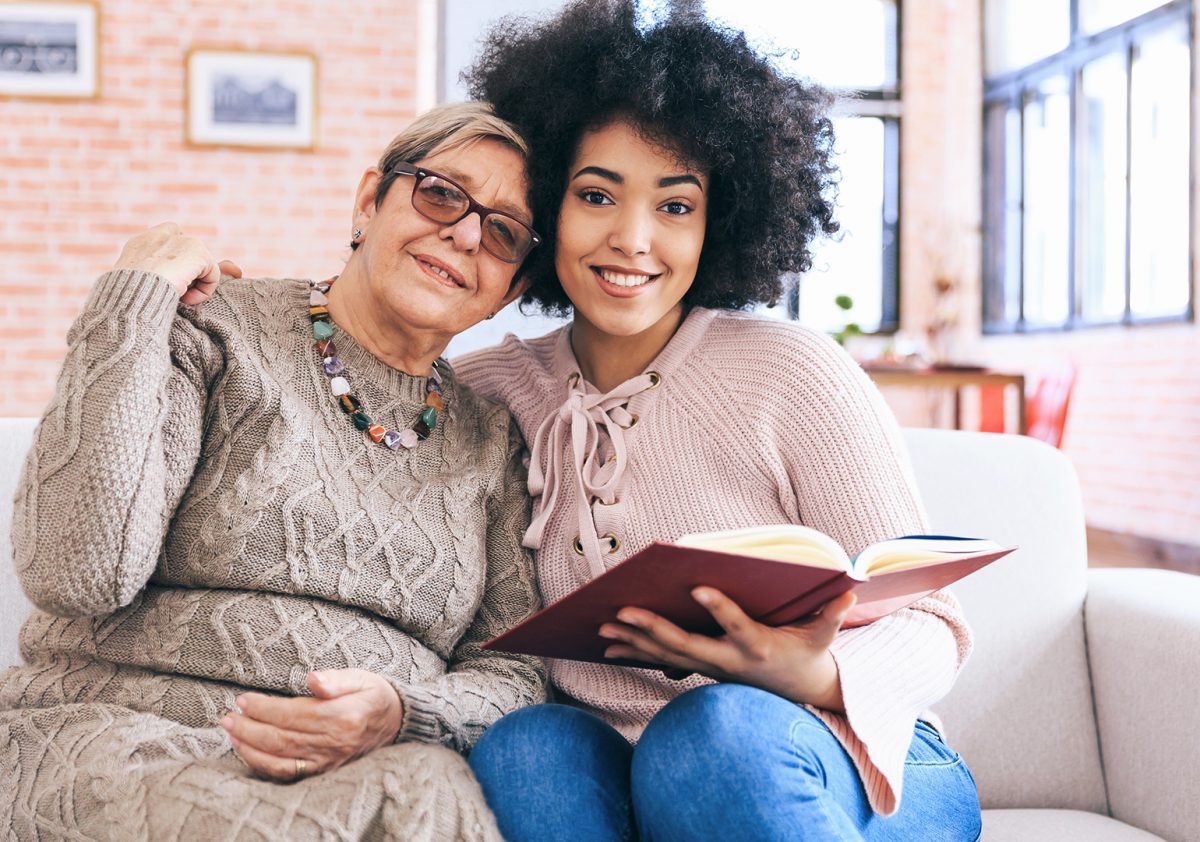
(1021, 712)
(16, 434)
(1058, 826)
(1143, 630)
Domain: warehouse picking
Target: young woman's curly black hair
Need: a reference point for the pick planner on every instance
(695, 88)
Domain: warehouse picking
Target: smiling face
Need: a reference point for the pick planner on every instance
(428, 275)
(630, 233)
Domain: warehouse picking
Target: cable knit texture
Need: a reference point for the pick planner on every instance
(196, 518)
(753, 422)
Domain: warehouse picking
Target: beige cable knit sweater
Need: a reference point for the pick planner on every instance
(198, 517)
(753, 422)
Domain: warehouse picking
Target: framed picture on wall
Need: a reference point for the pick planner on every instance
(49, 49)
(251, 100)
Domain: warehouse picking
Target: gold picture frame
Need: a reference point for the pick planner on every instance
(250, 99)
(49, 49)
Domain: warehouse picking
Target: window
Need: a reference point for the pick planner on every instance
(1087, 163)
(851, 47)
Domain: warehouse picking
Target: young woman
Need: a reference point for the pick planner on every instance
(677, 177)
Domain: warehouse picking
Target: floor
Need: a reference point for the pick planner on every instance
(1112, 549)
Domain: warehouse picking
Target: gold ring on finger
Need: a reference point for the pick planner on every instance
(301, 768)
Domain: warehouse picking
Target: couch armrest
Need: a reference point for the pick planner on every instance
(1143, 636)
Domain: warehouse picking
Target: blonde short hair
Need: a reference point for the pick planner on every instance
(441, 129)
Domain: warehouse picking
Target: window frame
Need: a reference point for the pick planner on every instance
(1010, 89)
(885, 104)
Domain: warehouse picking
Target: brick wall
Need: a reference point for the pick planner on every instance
(1133, 431)
(78, 178)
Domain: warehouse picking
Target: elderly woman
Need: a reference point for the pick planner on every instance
(268, 535)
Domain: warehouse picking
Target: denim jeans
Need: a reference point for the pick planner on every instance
(726, 762)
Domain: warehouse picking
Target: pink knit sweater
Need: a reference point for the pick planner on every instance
(744, 422)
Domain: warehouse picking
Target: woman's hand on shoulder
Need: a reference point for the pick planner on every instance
(184, 261)
(792, 661)
(352, 712)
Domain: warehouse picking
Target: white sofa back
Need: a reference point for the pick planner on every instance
(15, 437)
(1021, 712)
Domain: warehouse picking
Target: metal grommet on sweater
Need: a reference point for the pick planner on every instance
(614, 543)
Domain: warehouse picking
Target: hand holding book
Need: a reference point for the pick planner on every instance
(776, 576)
(792, 661)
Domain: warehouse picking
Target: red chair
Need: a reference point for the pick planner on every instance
(1047, 397)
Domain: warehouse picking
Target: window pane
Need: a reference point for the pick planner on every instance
(466, 22)
(1102, 126)
(1002, 243)
(1045, 236)
(1160, 138)
(1019, 32)
(1095, 15)
(852, 262)
(850, 44)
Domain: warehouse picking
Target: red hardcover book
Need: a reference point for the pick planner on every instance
(778, 575)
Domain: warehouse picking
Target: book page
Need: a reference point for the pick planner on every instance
(788, 542)
(917, 551)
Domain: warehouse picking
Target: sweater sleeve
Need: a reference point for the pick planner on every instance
(115, 449)
(480, 686)
(853, 480)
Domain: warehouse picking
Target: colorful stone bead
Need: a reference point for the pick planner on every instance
(333, 366)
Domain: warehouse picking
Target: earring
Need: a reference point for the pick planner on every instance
(489, 315)
(357, 234)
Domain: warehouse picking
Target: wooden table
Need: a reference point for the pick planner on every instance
(955, 379)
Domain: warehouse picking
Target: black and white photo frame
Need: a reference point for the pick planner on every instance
(49, 50)
(251, 99)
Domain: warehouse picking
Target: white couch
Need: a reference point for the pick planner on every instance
(1078, 711)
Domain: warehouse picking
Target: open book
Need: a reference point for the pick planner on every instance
(777, 574)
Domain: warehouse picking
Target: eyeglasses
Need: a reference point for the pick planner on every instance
(438, 198)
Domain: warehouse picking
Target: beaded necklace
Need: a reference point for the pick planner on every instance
(335, 370)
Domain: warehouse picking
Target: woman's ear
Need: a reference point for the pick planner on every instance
(364, 198)
(515, 291)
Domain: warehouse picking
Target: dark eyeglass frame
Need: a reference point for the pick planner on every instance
(420, 174)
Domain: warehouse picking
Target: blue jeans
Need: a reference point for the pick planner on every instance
(726, 762)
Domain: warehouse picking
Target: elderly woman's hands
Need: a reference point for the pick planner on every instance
(353, 712)
(184, 261)
(792, 661)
